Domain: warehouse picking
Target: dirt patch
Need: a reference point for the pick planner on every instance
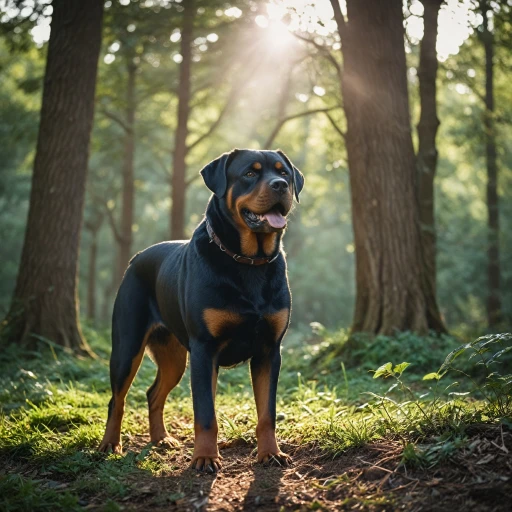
(477, 476)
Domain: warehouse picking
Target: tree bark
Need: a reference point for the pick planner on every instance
(91, 278)
(108, 297)
(93, 226)
(45, 301)
(494, 313)
(427, 130)
(178, 186)
(392, 292)
(125, 238)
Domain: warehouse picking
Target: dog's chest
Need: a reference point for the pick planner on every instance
(243, 335)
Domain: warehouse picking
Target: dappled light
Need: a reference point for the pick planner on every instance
(256, 255)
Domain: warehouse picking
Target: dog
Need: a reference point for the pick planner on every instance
(223, 297)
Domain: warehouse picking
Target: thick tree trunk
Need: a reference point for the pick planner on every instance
(45, 301)
(494, 314)
(427, 131)
(392, 292)
(178, 186)
(125, 237)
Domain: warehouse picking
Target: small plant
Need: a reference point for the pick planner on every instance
(490, 353)
(395, 372)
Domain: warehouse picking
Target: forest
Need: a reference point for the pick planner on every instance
(396, 379)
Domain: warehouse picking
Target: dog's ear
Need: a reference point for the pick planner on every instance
(297, 176)
(215, 173)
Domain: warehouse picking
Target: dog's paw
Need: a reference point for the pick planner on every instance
(167, 442)
(110, 447)
(278, 458)
(208, 464)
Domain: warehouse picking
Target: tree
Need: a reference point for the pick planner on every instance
(494, 315)
(133, 33)
(123, 231)
(45, 300)
(224, 59)
(393, 292)
(93, 225)
(180, 139)
(426, 158)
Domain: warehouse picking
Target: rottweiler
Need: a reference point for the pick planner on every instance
(223, 297)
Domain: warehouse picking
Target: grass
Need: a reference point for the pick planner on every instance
(336, 394)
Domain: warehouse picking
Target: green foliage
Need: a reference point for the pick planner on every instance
(18, 493)
(54, 410)
(491, 356)
(319, 241)
(366, 351)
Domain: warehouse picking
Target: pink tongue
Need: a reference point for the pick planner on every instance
(275, 219)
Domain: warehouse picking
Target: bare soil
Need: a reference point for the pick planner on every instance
(477, 477)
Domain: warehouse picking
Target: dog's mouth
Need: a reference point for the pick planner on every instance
(275, 218)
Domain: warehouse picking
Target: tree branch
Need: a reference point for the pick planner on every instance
(93, 225)
(231, 99)
(340, 20)
(164, 168)
(324, 50)
(117, 235)
(117, 119)
(342, 134)
(192, 179)
(280, 124)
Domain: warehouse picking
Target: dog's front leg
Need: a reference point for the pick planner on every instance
(204, 380)
(265, 374)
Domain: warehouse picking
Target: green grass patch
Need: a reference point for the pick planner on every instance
(336, 393)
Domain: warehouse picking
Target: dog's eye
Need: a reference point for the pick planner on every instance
(284, 173)
(250, 174)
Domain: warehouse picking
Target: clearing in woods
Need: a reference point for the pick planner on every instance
(356, 445)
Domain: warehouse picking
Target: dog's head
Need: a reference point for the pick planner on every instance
(257, 187)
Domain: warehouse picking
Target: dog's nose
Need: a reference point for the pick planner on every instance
(279, 185)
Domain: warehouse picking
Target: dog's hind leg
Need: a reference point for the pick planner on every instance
(131, 327)
(171, 358)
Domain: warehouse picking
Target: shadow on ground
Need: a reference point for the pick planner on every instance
(477, 478)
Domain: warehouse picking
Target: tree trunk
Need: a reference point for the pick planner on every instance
(108, 297)
(427, 130)
(93, 226)
(45, 301)
(125, 238)
(392, 292)
(91, 278)
(494, 314)
(178, 187)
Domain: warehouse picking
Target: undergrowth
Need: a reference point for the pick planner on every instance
(335, 393)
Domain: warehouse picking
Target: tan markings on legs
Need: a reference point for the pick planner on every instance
(206, 453)
(215, 377)
(171, 359)
(268, 449)
(279, 322)
(269, 243)
(217, 320)
(112, 437)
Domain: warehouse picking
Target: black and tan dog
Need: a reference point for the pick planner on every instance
(223, 296)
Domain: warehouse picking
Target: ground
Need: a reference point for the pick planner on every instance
(348, 453)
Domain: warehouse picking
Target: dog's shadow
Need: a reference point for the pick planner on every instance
(264, 489)
(241, 485)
